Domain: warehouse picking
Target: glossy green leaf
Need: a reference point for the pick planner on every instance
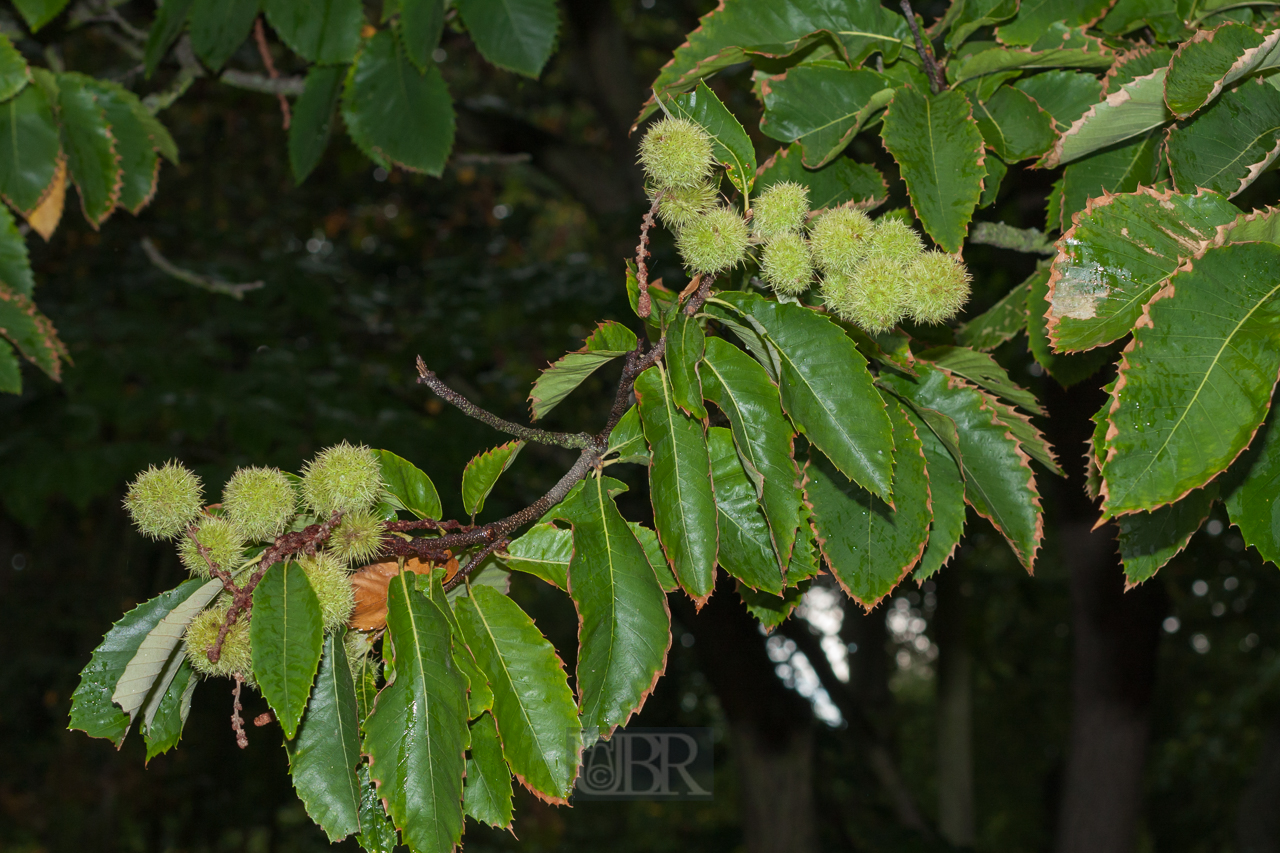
(487, 796)
(965, 17)
(679, 484)
(517, 35)
(37, 13)
(412, 489)
(984, 371)
(92, 709)
(1196, 382)
(1065, 95)
(1119, 169)
(841, 181)
(544, 551)
(946, 499)
(648, 540)
(313, 118)
(324, 755)
(1260, 226)
(1162, 16)
(999, 323)
(133, 132)
(398, 115)
(996, 171)
(1066, 368)
(287, 638)
(821, 107)
(1251, 489)
(482, 473)
(999, 482)
(624, 627)
(1120, 253)
(1134, 109)
(421, 25)
(685, 343)
(1030, 439)
(869, 545)
(14, 74)
(10, 375)
(165, 29)
(1213, 59)
(377, 833)
(1013, 125)
(321, 31)
(826, 388)
(741, 389)
(938, 147)
(626, 441)
(730, 144)
(92, 155)
(479, 693)
(165, 729)
(770, 610)
(31, 332)
(15, 266)
(805, 562)
(1227, 146)
(981, 58)
(417, 734)
(1035, 16)
(1133, 64)
(746, 548)
(608, 341)
(1149, 540)
(778, 28)
(749, 331)
(30, 149)
(219, 27)
(532, 705)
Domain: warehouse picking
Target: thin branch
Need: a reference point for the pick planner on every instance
(474, 563)
(260, 36)
(237, 723)
(1029, 240)
(190, 69)
(204, 282)
(558, 439)
(261, 83)
(643, 305)
(936, 81)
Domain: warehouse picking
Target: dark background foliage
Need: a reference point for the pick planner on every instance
(489, 273)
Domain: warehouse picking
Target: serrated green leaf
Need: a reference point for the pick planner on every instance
(544, 551)
(1030, 439)
(821, 107)
(1260, 226)
(1149, 540)
(532, 705)
(219, 27)
(14, 74)
(487, 796)
(479, 693)
(804, 557)
(685, 343)
(287, 637)
(1133, 64)
(15, 266)
(840, 182)
(981, 58)
(626, 441)
(648, 540)
(10, 376)
(1196, 382)
(1137, 107)
(31, 332)
(1097, 449)
(313, 119)
(398, 115)
(996, 171)
(1013, 125)
(30, 149)
(411, 488)
(324, 755)
(965, 17)
(1162, 16)
(1119, 169)
(165, 29)
(321, 31)
(946, 499)
(517, 35)
(37, 13)
(165, 729)
(1035, 16)
(730, 145)
(746, 548)
(624, 626)
(748, 330)
(779, 28)
(608, 341)
(938, 147)
(825, 388)
(131, 128)
(421, 25)
(684, 509)
(1066, 368)
(999, 482)
(1227, 146)
(741, 389)
(92, 156)
(377, 833)
(417, 734)
(1120, 253)
(984, 371)
(1065, 95)
(999, 323)
(482, 473)
(1250, 489)
(870, 546)
(1213, 59)
(92, 709)
(770, 610)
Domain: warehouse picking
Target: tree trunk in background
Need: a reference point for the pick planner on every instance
(1116, 638)
(954, 714)
(771, 726)
(1258, 819)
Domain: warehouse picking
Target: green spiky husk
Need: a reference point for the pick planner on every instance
(225, 544)
(682, 205)
(345, 478)
(332, 585)
(780, 210)
(260, 502)
(676, 152)
(838, 239)
(358, 539)
(874, 296)
(714, 242)
(937, 287)
(163, 501)
(894, 239)
(202, 633)
(786, 264)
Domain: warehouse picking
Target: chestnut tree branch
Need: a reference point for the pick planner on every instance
(936, 81)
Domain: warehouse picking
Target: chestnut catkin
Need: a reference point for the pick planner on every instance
(163, 501)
